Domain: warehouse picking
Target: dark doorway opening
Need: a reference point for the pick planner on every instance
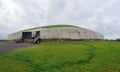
(37, 33)
(27, 35)
(37, 38)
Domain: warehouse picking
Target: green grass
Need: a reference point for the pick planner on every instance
(73, 56)
(54, 26)
(57, 26)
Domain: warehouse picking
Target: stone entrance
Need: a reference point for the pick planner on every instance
(27, 35)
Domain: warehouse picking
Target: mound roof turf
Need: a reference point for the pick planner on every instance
(53, 26)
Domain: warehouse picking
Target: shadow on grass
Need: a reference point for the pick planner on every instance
(42, 67)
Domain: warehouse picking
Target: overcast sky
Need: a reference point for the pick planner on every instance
(98, 15)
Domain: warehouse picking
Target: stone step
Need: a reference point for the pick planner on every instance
(36, 40)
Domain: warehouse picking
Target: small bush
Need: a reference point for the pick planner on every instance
(118, 39)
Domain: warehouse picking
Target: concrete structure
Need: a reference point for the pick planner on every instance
(56, 33)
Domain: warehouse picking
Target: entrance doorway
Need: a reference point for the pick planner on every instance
(37, 33)
(26, 35)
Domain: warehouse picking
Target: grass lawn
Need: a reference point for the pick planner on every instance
(74, 56)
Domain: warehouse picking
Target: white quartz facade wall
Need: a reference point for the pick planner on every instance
(61, 33)
(15, 36)
(69, 33)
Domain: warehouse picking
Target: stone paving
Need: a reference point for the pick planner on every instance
(9, 47)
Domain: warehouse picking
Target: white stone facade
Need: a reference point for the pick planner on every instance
(60, 33)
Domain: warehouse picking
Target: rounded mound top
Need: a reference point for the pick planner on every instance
(54, 26)
(57, 26)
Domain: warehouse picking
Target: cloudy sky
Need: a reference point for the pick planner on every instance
(98, 15)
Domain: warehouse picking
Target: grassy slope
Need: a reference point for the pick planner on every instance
(54, 26)
(84, 56)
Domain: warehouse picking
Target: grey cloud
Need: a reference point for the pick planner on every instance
(99, 15)
(32, 13)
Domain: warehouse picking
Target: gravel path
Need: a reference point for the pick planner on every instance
(10, 47)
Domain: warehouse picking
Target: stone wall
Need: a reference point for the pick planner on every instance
(61, 33)
(69, 33)
(13, 36)
(18, 35)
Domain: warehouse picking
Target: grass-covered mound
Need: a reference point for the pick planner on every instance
(55, 26)
(84, 56)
